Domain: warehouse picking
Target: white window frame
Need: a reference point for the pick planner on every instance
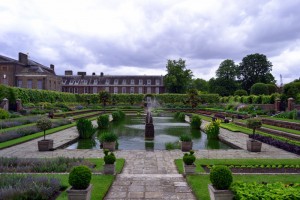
(157, 82)
(123, 90)
(116, 82)
(124, 82)
(157, 90)
(141, 82)
(131, 90)
(29, 85)
(107, 81)
(132, 82)
(20, 83)
(95, 90)
(39, 84)
(148, 90)
(116, 90)
(140, 90)
(148, 81)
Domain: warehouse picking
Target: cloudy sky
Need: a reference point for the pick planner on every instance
(138, 37)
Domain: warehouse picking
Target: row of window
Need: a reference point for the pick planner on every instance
(117, 90)
(39, 84)
(107, 82)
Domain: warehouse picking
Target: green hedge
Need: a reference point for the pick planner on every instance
(251, 99)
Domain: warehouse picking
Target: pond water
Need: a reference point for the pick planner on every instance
(131, 133)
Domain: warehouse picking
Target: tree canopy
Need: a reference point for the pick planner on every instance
(227, 70)
(200, 84)
(178, 79)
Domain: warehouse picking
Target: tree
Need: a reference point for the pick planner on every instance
(104, 97)
(44, 124)
(240, 93)
(178, 78)
(227, 70)
(253, 69)
(200, 84)
(193, 98)
(259, 88)
(221, 86)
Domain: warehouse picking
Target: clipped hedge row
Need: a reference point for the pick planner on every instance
(255, 99)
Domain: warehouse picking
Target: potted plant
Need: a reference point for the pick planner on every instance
(186, 142)
(221, 179)
(79, 179)
(44, 124)
(108, 140)
(252, 144)
(109, 160)
(188, 160)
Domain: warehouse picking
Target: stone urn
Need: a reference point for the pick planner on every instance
(109, 168)
(45, 145)
(79, 194)
(189, 169)
(219, 194)
(254, 145)
(186, 146)
(111, 146)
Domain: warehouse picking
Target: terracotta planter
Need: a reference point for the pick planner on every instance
(109, 145)
(189, 169)
(45, 145)
(109, 169)
(186, 146)
(79, 194)
(254, 145)
(219, 194)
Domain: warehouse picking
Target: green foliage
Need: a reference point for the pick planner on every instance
(240, 93)
(104, 97)
(103, 121)
(227, 70)
(221, 86)
(278, 191)
(4, 114)
(185, 138)
(189, 158)
(212, 129)
(200, 84)
(44, 124)
(221, 177)
(193, 98)
(118, 115)
(172, 145)
(109, 157)
(272, 88)
(80, 177)
(85, 128)
(254, 124)
(180, 116)
(287, 115)
(292, 89)
(108, 137)
(196, 122)
(259, 88)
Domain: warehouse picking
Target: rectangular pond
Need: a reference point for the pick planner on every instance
(131, 134)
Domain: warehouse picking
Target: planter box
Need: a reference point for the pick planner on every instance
(186, 146)
(109, 169)
(219, 194)
(79, 194)
(45, 145)
(189, 169)
(109, 145)
(254, 145)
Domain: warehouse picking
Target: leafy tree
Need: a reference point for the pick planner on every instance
(255, 68)
(240, 93)
(104, 97)
(221, 86)
(178, 78)
(292, 89)
(193, 98)
(44, 124)
(272, 88)
(259, 88)
(227, 70)
(200, 84)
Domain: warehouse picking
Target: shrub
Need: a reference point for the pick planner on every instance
(172, 145)
(185, 138)
(109, 157)
(3, 114)
(181, 117)
(271, 88)
(85, 128)
(259, 88)
(213, 129)
(44, 124)
(221, 177)
(196, 122)
(103, 121)
(253, 124)
(108, 137)
(190, 158)
(118, 115)
(240, 93)
(80, 177)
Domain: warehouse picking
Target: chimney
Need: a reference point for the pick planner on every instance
(23, 58)
(94, 74)
(101, 74)
(52, 67)
(81, 73)
(68, 73)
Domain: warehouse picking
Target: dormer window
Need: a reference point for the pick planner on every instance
(76, 82)
(141, 82)
(124, 82)
(149, 82)
(95, 82)
(116, 81)
(64, 82)
(71, 82)
(107, 82)
(157, 82)
(132, 81)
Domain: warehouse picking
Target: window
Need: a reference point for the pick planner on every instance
(70, 89)
(76, 82)
(140, 90)
(76, 90)
(29, 83)
(123, 90)
(107, 82)
(157, 82)
(40, 84)
(84, 82)
(95, 82)
(107, 89)
(132, 81)
(95, 90)
(116, 81)
(115, 90)
(85, 90)
(71, 82)
(141, 82)
(148, 90)
(64, 82)
(20, 83)
(124, 82)
(157, 90)
(149, 82)
(131, 90)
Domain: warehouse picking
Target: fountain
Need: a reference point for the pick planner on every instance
(149, 127)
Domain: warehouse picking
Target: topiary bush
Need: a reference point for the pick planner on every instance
(254, 124)
(240, 93)
(80, 177)
(4, 114)
(189, 158)
(103, 121)
(109, 157)
(196, 122)
(259, 88)
(118, 115)
(44, 124)
(85, 128)
(221, 177)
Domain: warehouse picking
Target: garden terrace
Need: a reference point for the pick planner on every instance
(284, 124)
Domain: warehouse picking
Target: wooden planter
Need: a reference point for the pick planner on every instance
(109, 169)
(189, 169)
(79, 194)
(186, 146)
(254, 145)
(45, 145)
(219, 194)
(111, 146)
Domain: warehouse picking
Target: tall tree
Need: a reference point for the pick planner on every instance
(227, 70)
(193, 98)
(200, 84)
(178, 78)
(255, 68)
(104, 98)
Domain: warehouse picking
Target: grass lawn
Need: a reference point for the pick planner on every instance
(199, 183)
(283, 119)
(287, 130)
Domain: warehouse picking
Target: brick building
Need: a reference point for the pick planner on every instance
(26, 73)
